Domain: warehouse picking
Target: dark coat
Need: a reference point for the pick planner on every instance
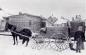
(79, 35)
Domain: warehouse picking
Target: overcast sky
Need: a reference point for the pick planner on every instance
(45, 8)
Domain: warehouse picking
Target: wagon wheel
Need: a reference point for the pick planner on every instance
(59, 44)
(38, 43)
(62, 44)
(52, 42)
(52, 45)
(46, 42)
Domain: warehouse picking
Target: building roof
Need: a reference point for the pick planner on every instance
(30, 15)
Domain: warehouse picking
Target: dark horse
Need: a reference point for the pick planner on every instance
(27, 33)
(23, 32)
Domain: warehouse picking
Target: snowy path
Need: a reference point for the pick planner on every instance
(7, 48)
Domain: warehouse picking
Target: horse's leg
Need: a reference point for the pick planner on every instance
(27, 42)
(23, 41)
(16, 40)
(13, 37)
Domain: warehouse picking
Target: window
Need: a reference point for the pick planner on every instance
(43, 24)
(30, 23)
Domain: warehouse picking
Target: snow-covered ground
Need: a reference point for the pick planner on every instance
(7, 48)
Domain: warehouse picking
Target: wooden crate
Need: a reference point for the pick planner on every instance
(57, 32)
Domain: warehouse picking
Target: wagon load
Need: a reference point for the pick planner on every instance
(59, 32)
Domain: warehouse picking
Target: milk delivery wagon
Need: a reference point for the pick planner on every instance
(56, 37)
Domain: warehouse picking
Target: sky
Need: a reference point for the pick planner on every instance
(46, 8)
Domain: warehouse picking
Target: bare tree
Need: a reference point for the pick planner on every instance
(52, 20)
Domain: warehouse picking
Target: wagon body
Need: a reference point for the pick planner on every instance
(55, 37)
(55, 32)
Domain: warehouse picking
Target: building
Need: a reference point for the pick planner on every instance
(2, 25)
(24, 20)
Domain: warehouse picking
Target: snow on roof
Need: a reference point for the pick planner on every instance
(60, 21)
(30, 15)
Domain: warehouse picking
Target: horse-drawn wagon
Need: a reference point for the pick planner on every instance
(55, 37)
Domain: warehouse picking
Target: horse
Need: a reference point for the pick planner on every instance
(23, 32)
(27, 34)
(14, 35)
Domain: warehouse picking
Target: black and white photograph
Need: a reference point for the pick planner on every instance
(42, 27)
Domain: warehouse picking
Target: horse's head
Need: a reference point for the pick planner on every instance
(11, 27)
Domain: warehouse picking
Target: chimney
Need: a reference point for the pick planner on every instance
(20, 13)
